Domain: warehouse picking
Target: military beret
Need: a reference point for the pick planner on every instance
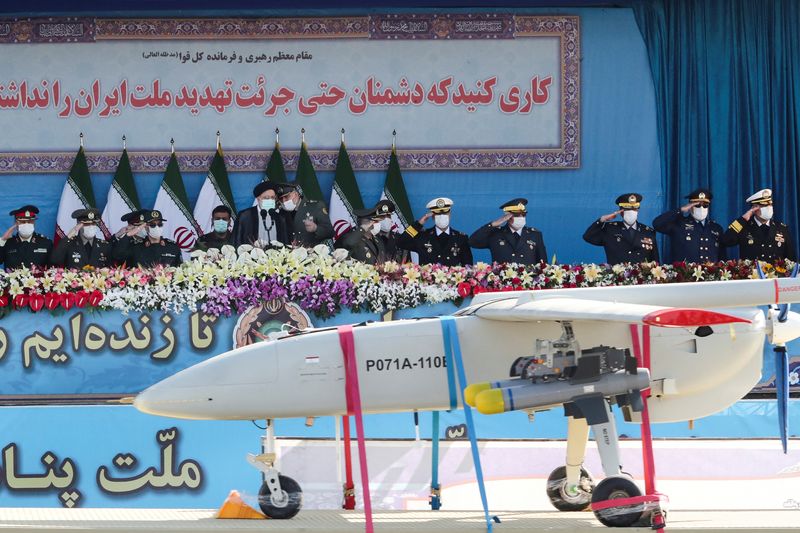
(517, 205)
(440, 205)
(264, 186)
(27, 212)
(700, 195)
(629, 200)
(764, 196)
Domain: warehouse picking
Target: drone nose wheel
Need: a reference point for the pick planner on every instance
(566, 498)
(281, 504)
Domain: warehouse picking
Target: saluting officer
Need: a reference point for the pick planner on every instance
(307, 220)
(136, 229)
(26, 248)
(154, 250)
(439, 244)
(695, 238)
(361, 242)
(84, 245)
(758, 235)
(387, 236)
(628, 241)
(509, 239)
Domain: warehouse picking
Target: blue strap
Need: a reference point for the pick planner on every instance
(435, 499)
(448, 363)
(451, 344)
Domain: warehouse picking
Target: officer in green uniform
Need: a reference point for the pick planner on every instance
(136, 230)
(384, 210)
(307, 221)
(361, 242)
(26, 248)
(758, 234)
(154, 250)
(221, 233)
(84, 245)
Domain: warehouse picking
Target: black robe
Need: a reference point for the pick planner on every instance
(245, 230)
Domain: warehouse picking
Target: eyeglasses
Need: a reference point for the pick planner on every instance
(155, 224)
(702, 204)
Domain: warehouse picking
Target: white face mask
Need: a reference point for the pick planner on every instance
(517, 223)
(289, 205)
(699, 213)
(386, 225)
(375, 229)
(25, 230)
(766, 212)
(630, 217)
(155, 231)
(442, 221)
(142, 233)
(89, 232)
(268, 203)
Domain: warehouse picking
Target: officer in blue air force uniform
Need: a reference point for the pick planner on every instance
(439, 244)
(695, 238)
(509, 239)
(627, 241)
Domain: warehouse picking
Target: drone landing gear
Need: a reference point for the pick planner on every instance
(280, 496)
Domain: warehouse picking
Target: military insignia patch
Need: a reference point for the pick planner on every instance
(501, 242)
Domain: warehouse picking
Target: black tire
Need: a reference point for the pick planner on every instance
(288, 507)
(612, 488)
(563, 501)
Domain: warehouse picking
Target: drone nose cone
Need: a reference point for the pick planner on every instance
(147, 401)
(783, 332)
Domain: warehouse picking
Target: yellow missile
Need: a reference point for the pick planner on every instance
(490, 402)
(473, 390)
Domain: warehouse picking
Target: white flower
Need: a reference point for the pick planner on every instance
(794, 378)
(322, 250)
(591, 272)
(340, 254)
(698, 273)
(213, 254)
(197, 254)
(300, 254)
(658, 273)
(258, 255)
(243, 249)
(276, 244)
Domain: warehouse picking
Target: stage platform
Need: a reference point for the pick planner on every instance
(34, 520)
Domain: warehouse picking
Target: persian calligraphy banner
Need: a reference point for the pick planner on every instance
(462, 91)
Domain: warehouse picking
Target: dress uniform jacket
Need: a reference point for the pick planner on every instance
(766, 242)
(73, 253)
(623, 244)
(213, 240)
(35, 251)
(362, 246)
(245, 230)
(306, 209)
(391, 252)
(147, 254)
(450, 249)
(692, 241)
(507, 246)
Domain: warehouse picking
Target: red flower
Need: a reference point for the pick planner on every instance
(20, 300)
(52, 300)
(4, 300)
(95, 297)
(464, 289)
(81, 298)
(36, 302)
(67, 300)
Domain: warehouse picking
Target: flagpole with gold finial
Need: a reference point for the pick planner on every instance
(124, 143)
(172, 146)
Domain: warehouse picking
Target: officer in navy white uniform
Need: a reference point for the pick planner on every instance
(439, 244)
(758, 234)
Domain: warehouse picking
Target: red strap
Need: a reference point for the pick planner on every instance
(643, 360)
(622, 502)
(354, 401)
(349, 500)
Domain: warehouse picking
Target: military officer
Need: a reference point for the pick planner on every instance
(136, 229)
(387, 235)
(758, 234)
(154, 250)
(307, 220)
(84, 245)
(439, 244)
(509, 239)
(695, 238)
(627, 241)
(221, 233)
(361, 242)
(26, 248)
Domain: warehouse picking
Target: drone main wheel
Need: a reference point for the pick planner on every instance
(286, 505)
(615, 488)
(565, 498)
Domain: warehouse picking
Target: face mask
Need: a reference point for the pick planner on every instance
(268, 203)
(699, 213)
(518, 223)
(221, 226)
(155, 231)
(766, 212)
(442, 221)
(375, 229)
(142, 234)
(289, 205)
(89, 232)
(630, 217)
(25, 230)
(386, 225)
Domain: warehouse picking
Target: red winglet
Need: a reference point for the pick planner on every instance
(677, 318)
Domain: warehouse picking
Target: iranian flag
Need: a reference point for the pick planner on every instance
(216, 191)
(122, 196)
(76, 194)
(306, 177)
(173, 203)
(345, 197)
(394, 189)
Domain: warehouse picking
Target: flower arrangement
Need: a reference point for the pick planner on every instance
(228, 281)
